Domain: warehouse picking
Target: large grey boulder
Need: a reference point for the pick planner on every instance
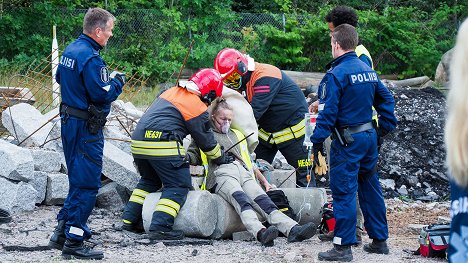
(227, 219)
(196, 218)
(39, 183)
(112, 197)
(118, 166)
(442, 74)
(57, 189)
(22, 120)
(307, 203)
(47, 161)
(118, 139)
(16, 197)
(281, 178)
(54, 141)
(16, 163)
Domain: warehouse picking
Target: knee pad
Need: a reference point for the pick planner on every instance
(243, 200)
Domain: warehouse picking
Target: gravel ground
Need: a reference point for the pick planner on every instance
(32, 230)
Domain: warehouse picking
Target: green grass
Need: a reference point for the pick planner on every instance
(144, 97)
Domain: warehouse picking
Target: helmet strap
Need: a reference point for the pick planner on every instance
(209, 97)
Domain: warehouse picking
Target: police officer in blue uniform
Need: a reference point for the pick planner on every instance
(347, 93)
(87, 91)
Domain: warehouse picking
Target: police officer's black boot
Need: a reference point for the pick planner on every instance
(337, 253)
(300, 233)
(58, 236)
(266, 236)
(377, 247)
(76, 249)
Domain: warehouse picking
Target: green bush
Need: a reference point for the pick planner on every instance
(153, 41)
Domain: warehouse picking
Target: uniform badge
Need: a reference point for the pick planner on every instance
(323, 90)
(104, 74)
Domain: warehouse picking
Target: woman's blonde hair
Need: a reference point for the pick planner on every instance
(456, 128)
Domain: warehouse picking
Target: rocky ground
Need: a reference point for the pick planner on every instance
(412, 156)
(31, 230)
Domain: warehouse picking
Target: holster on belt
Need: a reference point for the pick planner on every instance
(343, 136)
(97, 119)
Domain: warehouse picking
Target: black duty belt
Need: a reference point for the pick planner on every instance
(67, 110)
(359, 128)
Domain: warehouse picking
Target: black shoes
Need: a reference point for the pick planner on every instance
(77, 250)
(166, 235)
(377, 247)
(134, 228)
(300, 233)
(58, 236)
(266, 236)
(337, 253)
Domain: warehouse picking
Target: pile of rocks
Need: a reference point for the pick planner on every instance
(412, 158)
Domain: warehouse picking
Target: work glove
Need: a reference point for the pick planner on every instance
(118, 76)
(320, 163)
(225, 158)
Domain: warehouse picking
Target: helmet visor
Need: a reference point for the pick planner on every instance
(233, 81)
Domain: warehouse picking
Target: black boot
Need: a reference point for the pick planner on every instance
(166, 235)
(300, 233)
(135, 228)
(267, 235)
(377, 247)
(58, 237)
(76, 249)
(337, 253)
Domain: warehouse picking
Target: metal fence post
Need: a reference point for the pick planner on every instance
(284, 23)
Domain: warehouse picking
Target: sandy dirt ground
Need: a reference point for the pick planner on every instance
(31, 231)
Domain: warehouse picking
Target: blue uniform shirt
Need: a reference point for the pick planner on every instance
(347, 93)
(458, 245)
(84, 78)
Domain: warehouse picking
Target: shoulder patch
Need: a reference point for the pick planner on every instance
(104, 74)
(323, 90)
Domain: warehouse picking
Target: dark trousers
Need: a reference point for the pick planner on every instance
(295, 153)
(174, 175)
(83, 155)
(353, 168)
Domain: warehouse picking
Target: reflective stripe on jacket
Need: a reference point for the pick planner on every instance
(284, 135)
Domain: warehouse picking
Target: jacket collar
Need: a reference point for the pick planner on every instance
(91, 41)
(340, 59)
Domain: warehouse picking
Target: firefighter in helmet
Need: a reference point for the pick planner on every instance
(160, 157)
(278, 105)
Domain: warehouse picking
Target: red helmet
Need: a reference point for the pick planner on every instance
(231, 64)
(209, 83)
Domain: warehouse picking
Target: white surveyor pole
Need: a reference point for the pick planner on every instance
(55, 61)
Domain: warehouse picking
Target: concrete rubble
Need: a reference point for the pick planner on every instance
(195, 217)
(38, 162)
(208, 215)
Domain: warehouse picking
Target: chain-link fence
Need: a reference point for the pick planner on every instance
(150, 24)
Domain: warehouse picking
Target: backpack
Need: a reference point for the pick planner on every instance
(328, 219)
(281, 201)
(433, 240)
